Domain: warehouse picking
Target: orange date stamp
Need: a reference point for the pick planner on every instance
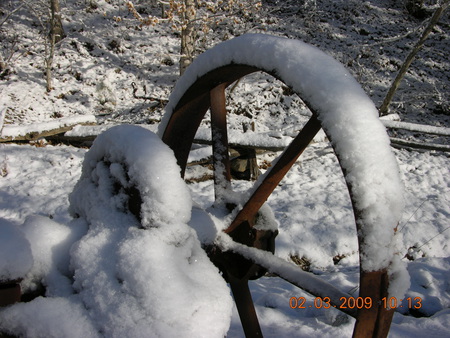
(355, 303)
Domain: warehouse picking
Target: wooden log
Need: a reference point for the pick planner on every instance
(420, 128)
(35, 131)
(413, 145)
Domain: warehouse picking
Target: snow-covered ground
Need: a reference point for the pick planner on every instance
(315, 224)
(95, 67)
(105, 51)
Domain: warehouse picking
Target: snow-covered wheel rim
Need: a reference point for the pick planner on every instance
(349, 119)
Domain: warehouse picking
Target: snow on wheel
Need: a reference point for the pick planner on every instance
(349, 119)
(140, 269)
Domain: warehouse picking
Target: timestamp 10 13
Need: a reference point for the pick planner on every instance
(354, 303)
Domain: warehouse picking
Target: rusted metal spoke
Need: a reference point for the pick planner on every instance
(245, 307)
(276, 174)
(221, 160)
(332, 296)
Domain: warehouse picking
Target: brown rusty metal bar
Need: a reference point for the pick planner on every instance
(367, 317)
(245, 307)
(219, 136)
(385, 315)
(276, 174)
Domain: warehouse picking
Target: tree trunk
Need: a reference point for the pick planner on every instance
(384, 109)
(187, 35)
(2, 65)
(49, 51)
(56, 27)
(55, 36)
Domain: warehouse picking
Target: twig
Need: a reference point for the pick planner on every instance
(11, 13)
(2, 117)
(409, 219)
(143, 97)
(433, 238)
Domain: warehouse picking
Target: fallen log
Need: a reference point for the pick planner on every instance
(441, 131)
(35, 131)
(413, 145)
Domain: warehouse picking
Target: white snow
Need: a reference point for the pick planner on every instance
(417, 127)
(261, 140)
(315, 223)
(95, 130)
(150, 162)
(128, 281)
(48, 317)
(50, 245)
(15, 253)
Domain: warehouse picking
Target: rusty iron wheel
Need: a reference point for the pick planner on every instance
(208, 92)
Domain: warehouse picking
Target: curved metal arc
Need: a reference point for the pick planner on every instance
(373, 321)
(182, 127)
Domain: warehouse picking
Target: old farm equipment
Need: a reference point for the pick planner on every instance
(243, 250)
(206, 90)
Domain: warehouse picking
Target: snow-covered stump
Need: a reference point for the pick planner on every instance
(350, 121)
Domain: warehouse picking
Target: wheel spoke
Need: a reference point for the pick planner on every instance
(290, 273)
(276, 174)
(221, 159)
(245, 307)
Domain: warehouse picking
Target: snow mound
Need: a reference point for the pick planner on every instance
(15, 253)
(348, 117)
(138, 280)
(130, 278)
(151, 168)
(48, 317)
(50, 244)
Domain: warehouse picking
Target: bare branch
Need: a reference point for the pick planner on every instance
(409, 59)
(11, 13)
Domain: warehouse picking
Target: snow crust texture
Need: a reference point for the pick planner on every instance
(348, 117)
